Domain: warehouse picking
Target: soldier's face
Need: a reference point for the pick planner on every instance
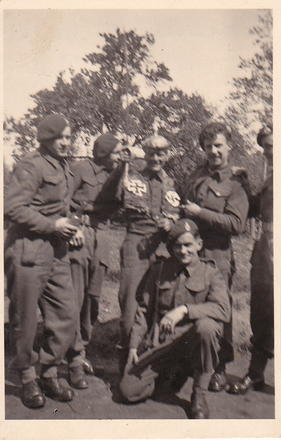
(59, 147)
(217, 151)
(113, 159)
(186, 248)
(267, 145)
(156, 159)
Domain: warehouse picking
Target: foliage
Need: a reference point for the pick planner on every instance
(251, 99)
(100, 96)
(107, 94)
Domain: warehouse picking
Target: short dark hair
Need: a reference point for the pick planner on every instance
(266, 130)
(211, 130)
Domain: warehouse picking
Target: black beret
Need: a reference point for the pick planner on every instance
(104, 145)
(179, 228)
(51, 127)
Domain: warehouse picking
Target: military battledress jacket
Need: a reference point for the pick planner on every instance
(168, 285)
(224, 209)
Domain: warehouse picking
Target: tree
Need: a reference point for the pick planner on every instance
(108, 95)
(179, 118)
(251, 99)
(101, 95)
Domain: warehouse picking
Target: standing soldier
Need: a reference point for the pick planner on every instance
(151, 206)
(215, 199)
(90, 261)
(37, 263)
(262, 302)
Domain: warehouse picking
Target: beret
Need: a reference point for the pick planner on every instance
(51, 127)
(155, 142)
(181, 227)
(104, 145)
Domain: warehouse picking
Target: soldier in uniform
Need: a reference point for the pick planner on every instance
(90, 261)
(37, 263)
(183, 303)
(214, 197)
(262, 302)
(151, 206)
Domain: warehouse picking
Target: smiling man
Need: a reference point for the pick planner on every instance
(215, 199)
(37, 264)
(151, 205)
(183, 303)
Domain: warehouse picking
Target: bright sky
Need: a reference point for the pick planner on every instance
(200, 47)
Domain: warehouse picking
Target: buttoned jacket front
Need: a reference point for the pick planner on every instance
(168, 285)
(38, 193)
(223, 201)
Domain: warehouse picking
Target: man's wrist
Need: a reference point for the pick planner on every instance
(187, 309)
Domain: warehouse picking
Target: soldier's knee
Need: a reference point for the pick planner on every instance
(207, 328)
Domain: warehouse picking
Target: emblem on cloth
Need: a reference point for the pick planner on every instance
(173, 198)
(137, 187)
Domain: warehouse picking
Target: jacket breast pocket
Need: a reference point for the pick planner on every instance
(216, 199)
(198, 297)
(52, 189)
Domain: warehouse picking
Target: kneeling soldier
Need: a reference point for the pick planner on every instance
(183, 303)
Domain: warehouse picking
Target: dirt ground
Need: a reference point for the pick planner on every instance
(102, 401)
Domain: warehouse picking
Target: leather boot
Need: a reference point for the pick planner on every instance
(199, 406)
(77, 378)
(32, 396)
(56, 390)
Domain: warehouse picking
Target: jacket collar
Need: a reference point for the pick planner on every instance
(160, 176)
(221, 174)
(51, 159)
(97, 168)
(194, 275)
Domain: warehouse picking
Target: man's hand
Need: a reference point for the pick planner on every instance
(78, 239)
(132, 359)
(164, 223)
(64, 228)
(191, 209)
(171, 319)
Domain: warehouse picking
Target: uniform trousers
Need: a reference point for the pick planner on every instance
(262, 304)
(137, 254)
(194, 349)
(225, 262)
(88, 268)
(38, 273)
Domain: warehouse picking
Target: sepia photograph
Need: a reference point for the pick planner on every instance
(138, 214)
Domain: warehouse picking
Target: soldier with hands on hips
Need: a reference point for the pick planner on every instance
(214, 197)
(183, 303)
(37, 263)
